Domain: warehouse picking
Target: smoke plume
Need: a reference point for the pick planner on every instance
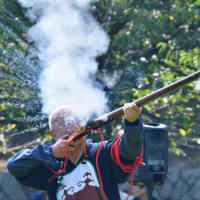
(197, 85)
(68, 40)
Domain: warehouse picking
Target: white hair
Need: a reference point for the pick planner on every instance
(62, 117)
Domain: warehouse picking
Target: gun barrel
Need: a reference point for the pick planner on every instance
(144, 100)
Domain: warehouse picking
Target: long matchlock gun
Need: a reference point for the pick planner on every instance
(96, 123)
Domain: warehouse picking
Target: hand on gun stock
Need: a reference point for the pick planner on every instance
(59, 148)
(131, 111)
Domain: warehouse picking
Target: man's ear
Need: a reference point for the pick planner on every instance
(51, 133)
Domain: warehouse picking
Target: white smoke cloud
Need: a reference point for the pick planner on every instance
(110, 80)
(197, 85)
(68, 40)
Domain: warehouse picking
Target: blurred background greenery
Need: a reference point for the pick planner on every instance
(152, 44)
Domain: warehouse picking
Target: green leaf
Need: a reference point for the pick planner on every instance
(173, 142)
(182, 132)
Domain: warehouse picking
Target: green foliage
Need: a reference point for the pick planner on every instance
(19, 102)
(158, 41)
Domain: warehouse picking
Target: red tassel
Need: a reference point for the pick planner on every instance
(126, 168)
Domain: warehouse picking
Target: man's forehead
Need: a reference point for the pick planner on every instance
(64, 116)
(61, 112)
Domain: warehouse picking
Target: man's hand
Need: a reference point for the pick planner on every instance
(131, 111)
(59, 148)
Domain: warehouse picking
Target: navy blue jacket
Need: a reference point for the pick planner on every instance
(29, 166)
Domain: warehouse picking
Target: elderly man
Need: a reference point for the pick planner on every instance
(89, 175)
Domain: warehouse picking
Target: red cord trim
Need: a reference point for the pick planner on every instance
(114, 154)
(61, 171)
(97, 162)
(126, 168)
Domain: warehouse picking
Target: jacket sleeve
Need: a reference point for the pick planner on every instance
(28, 165)
(129, 148)
(131, 142)
(26, 160)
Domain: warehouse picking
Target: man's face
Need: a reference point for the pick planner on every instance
(59, 132)
(63, 122)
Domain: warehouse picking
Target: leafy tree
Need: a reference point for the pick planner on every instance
(152, 44)
(19, 71)
(159, 41)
